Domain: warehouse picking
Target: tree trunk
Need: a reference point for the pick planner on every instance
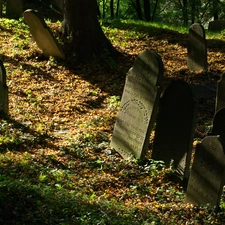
(112, 8)
(103, 9)
(147, 10)
(138, 9)
(154, 10)
(87, 39)
(184, 7)
(215, 8)
(117, 8)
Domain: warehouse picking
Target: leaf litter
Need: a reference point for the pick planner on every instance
(55, 159)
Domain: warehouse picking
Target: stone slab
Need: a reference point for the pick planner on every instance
(42, 34)
(216, 25)
(175, 127)
(220, 93)
(197, 48)
(207, 174)
(4, 104)
(218, 127)
(138, 107)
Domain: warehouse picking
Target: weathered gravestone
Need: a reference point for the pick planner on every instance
(216, 25)
(207, 176)
(4, 105)
(139, 104)
(42, 34)
(197, 48)
(220, 93)
(175, 127)
(14, 8)
(218, 127)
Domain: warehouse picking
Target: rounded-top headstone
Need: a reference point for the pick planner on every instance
(219, 123)
(138, 106)
(197, 48)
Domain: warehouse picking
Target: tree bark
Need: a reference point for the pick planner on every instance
(112, 8)
(147, 10)
(117, 8)
(184, 7)
(216, 9)
(87, 39)
(138, 10)
(154, 10)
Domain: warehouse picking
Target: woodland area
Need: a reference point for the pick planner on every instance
(56, 164)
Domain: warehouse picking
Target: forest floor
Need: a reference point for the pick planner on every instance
(56, 165)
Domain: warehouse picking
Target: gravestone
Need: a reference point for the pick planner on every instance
(42, 34)
(4, 105)
(208, 173)
(197, 48)
(204, 91)
(218, 127)
(14, 8)
(138, 107)
(175, 127)
(216, 25)
(220, 93)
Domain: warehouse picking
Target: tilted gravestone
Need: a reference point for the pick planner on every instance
(138, 107)
(220, 93)
(175, 127)
(208, 173)
(14, 8)
(197, 48)
(216, 25)
(218, 127)
(42, 34)
(4, 105)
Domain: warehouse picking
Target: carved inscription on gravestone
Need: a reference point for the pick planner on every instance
(220, 93)
(138, 106)
(197, 48)
(208, 173)
(42, 34)
(175, 127)
(4, 105)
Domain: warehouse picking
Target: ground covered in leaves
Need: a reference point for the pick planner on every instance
(56, 165)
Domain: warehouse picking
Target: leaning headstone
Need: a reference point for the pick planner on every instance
(207, 176)
(197, 48)
(175, 127)
(218, 127)
(4, 105)
(14, 8)
(42, 34)
(216, 25)
(220, 93)
(138, 107)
